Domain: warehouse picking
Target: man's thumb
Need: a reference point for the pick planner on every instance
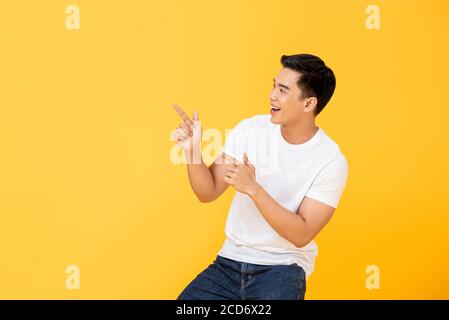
(245, 158)
(247, 162)
(195, 116)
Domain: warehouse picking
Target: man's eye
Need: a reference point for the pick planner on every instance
(282, 90)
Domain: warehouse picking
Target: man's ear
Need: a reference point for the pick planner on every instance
(310, 104)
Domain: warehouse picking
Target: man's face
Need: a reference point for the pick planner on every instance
(286, 100)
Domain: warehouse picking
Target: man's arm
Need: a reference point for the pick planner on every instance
(207, 182)
(300, 228)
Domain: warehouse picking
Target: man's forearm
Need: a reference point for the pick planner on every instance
(200, 177)
(289, 225)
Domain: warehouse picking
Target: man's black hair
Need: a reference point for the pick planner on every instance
(316, 79)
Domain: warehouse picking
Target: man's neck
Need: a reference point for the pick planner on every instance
(299, 132)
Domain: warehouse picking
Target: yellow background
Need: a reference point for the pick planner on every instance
(85, 119)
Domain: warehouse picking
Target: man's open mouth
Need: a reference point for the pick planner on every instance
(275, 109)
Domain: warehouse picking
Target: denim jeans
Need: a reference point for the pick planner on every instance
(227, 279)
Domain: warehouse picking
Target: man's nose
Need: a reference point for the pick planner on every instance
(273, 96)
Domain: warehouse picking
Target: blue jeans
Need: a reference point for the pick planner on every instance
(227, 279)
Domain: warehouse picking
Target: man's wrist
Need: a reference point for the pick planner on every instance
(255, 191)
(193, 156)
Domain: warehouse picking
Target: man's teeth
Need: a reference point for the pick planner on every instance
(275, 109)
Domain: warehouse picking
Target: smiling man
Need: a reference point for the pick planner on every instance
(289, 176)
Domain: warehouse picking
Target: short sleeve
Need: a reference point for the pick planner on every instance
(236, 140)
(330, 182)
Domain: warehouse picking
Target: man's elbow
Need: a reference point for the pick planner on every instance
(209, 197)
(205, 199)
(301, 242)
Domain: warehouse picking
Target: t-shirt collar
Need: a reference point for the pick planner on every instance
(316, 138)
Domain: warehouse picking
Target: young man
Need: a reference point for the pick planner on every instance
(288, 176)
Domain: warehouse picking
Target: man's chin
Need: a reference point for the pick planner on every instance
(274, 119)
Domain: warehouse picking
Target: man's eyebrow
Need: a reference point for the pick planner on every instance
(281, 85)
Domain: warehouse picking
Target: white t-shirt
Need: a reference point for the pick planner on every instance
(288, 172)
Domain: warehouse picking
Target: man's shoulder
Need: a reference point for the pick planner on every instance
(332, 149)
